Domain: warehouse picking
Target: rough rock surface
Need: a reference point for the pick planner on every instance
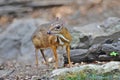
(15, 41)
(106, 51)
(96, 33)
(21, 6)
(104, 68)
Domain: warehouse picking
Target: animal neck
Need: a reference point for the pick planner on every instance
(65, 35)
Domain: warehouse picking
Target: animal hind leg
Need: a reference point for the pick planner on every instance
(36, 55)
(42, 52)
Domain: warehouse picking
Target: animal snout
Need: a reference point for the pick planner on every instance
(48, 32)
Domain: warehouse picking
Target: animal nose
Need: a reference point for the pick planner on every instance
(48, 32)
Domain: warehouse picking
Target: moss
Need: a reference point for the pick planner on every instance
(83, 75)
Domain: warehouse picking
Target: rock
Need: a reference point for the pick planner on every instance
(35, 78)
(76, 64)
(50, 60)
(48, 3)
(13, 9)
(44, 78)
(96, 33)
(79, 40)
(104, 57)
(15, 41)
(110, 67)
(18, 8)
(102, 52)
(75, 39)
(106, 51)
(61, 60)
(76, 35)
(37, 3)
(77, 56)
(4, 73)
(4, 2)
(107, 48)
(100, 69)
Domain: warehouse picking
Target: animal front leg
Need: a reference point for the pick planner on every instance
(68, 55)
(55, 56)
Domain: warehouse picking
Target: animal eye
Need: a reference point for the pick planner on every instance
(58, 27)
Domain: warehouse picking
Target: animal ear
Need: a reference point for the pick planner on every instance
(62, 21)
(55, 20)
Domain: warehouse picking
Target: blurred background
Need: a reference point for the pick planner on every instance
(73, 11)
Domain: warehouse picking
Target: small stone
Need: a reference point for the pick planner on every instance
(82, 63)
(35, 77)
(27, 77)
(50, 60)
(76, 64)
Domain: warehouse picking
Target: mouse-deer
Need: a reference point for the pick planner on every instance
(52, 35)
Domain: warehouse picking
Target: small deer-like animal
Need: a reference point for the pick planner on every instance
(52, 35)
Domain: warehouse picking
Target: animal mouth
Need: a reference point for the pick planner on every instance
(49, 32)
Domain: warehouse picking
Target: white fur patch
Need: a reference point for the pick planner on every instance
(61, 42)
(61, 36)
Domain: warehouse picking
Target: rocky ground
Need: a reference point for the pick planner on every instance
(93, 24)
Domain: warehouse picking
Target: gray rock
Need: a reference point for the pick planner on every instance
(108, 48)
(106, 51)
(35, 3)
(5, 2)
(108, 67)
(96, 32)
(103, 50)
(75, 39)
(15, 41)
(44, 3)
(77, 55)
(4, 73)
(105, 68)
(35, 77)
(13, 9)
(21, 7)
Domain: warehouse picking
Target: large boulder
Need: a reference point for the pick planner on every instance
(19, 8)
(106, 51)
(101, 40)
(96, 33)
(77, 55)
(15, 41)
(107, 68)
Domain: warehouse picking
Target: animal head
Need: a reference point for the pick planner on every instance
(56, 27)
